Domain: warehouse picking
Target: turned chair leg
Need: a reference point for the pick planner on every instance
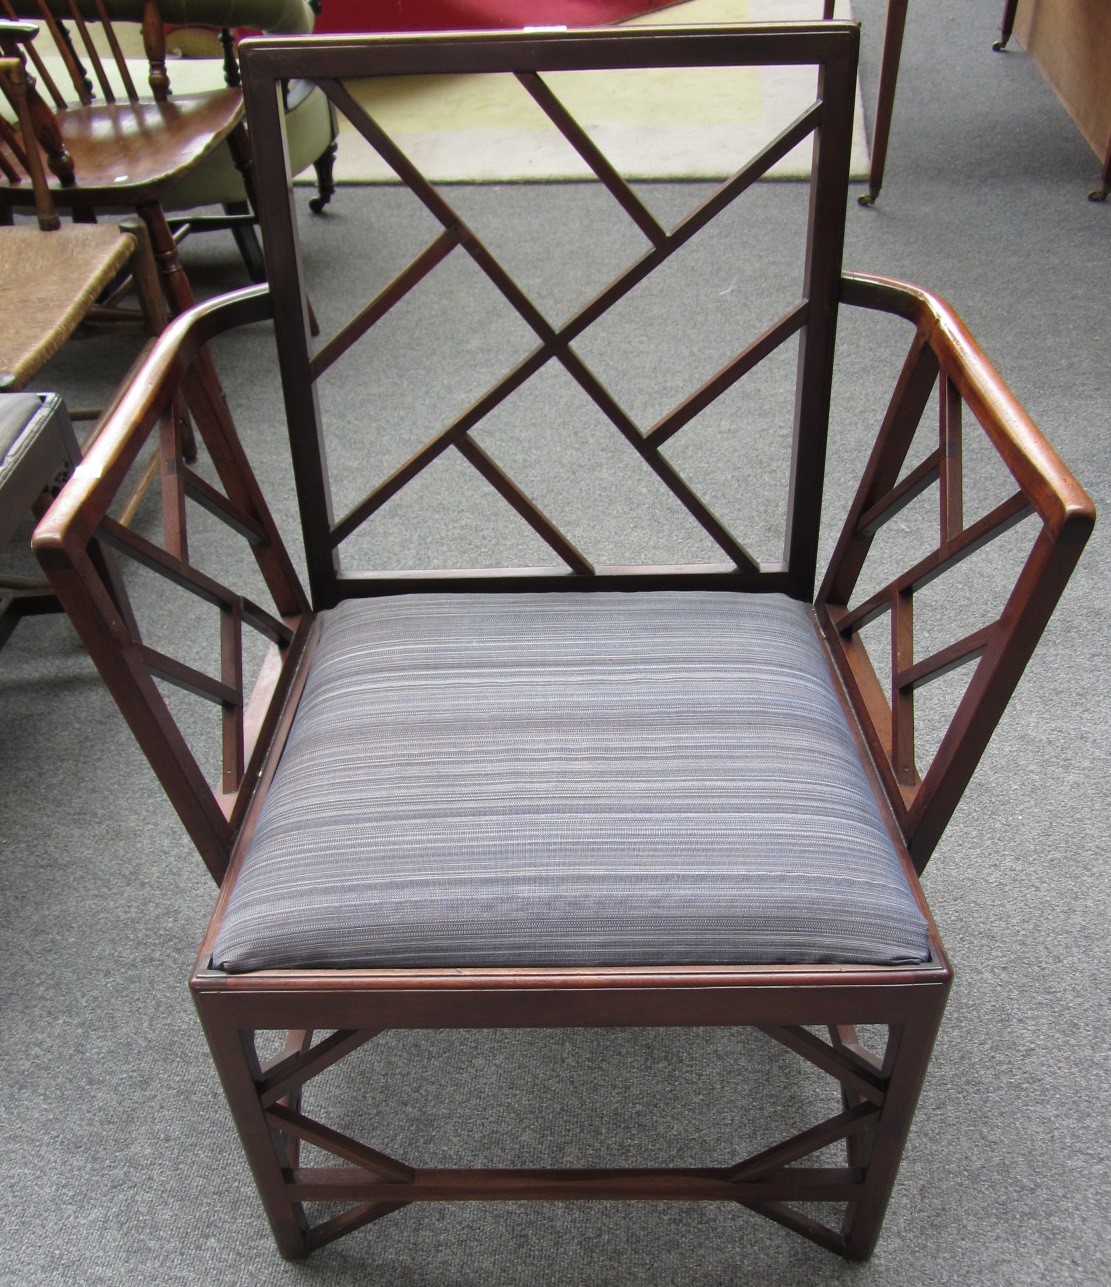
(324, 165)
(175, 284)
(246, 239)
(144, 274)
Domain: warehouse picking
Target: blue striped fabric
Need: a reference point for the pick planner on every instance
(566, 780)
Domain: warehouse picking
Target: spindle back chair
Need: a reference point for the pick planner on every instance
(92, 51)
(108, 154)
(551, 797)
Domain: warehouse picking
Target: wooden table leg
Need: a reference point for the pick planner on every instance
(1008, 26)
(885, 100)
(1101, 193)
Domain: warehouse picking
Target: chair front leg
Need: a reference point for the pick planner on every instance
(885, 99)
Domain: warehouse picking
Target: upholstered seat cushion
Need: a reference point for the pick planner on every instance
(570, 779)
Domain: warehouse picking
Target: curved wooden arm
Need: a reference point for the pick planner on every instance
(1028, 454)
(104, 469)
(944, 354)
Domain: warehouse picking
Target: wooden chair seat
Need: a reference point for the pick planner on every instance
(48, 284)
(116, 155)
(110, 144)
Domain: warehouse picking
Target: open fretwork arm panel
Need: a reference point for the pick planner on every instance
(987, 640)
(186, 635)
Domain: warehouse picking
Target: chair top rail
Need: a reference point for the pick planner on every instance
(344, 57)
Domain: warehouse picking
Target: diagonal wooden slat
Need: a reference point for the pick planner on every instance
(388, 150)
(288, 1073)
(584, 145)
(202, 493)
(343, 1146)
(908, 401)
(947, 659)
(718, 201)
(760, 348)
(462, 425)
(920, 478)
(188, 678)
(156, 559)
(348, 1221)
(805, 1143)
(992, 525)
(540, 524)
(378, 307)
(267, 625)
(838, 1063)
(663, 468)
(802, 1224)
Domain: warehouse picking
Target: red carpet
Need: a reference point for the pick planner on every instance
(455, 15)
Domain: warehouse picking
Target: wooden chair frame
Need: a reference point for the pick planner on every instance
(813, 1010)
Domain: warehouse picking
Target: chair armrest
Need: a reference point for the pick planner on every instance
(944, 354)
(83, 544)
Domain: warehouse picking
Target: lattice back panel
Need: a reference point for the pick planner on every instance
(557, 352)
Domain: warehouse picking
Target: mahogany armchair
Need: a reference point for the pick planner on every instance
(580, 794)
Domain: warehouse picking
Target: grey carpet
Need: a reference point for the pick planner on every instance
(121, 1164)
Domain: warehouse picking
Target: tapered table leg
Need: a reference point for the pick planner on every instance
(885, 101)
(1008, 26)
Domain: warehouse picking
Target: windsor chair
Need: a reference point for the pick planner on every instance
(118, 154)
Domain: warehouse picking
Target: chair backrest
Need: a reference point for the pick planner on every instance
(542, 66)
(84, 525)
(96, 51)
(84, 42)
